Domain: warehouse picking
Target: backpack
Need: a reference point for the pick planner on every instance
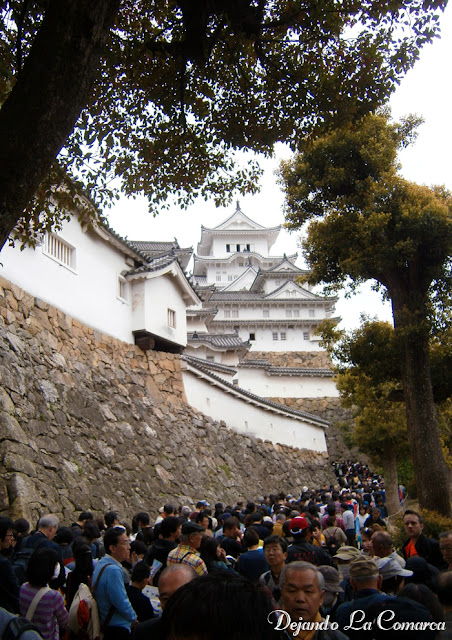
(21, 559)
(84, 620)
(16, 627)
(332, 545)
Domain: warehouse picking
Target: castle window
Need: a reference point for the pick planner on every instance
(266, 313)
(171, 318)
(252, 336)
(230, 278)
(311, 313)
(305, 335)
(283, 335)
(59, 250)
(235, 313)
(296, 313)
(227, 313)
(275, 335)
(238, 248)
(228, 248)
(122, 289)
(288, 313)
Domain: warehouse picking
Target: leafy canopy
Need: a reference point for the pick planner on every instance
(366, 222)
(184, 85)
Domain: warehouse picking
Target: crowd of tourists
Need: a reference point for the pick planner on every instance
(320, 565)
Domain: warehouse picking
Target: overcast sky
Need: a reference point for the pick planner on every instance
(426, 90)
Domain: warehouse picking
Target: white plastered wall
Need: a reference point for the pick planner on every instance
(258, 382)
(247, 418)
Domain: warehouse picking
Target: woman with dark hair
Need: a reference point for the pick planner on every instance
(220, 606)
(83, 571)
(213, 554)
(40, 604)
(425, 596)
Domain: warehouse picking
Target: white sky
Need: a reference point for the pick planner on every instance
(426, 90)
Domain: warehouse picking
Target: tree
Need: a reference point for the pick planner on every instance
(368, 378)
(165, 97)
(366, 222)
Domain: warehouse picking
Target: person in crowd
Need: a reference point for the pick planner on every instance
(334, 594)
(21, 531)
(213, 554)
(393, 574)
(187, 551)
(334, 535)
(445, 546)
(252, 563)
(418, 544)
(375, 518)
(302, 549)
(111, 519)
(91, 532)
(44, 536)
(275, 550)
(232, 536)
(365, 536)
(83, 568)
(115, 611)
(383, 548)
(425, 596)
(220, 606)
(318, 539)
(278, 525)
(169, 537)
(140, 603)
(349, 522)
(205, 521)
(40, 604)
(366, 582)
(302, 594)
(79, 525)
(331, 511)
(444, 593)
(9, 587)
(171, 579)
(144, 533)
(64, 538)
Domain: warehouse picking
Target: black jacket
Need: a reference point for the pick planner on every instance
(427, 548)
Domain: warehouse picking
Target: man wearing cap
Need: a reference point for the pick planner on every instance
(393, 575)
(334, 594)
(366, 581)
(302, 549)
(186, 551)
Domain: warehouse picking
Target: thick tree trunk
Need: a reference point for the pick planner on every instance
(391, 477)
(430, 471)
(51, 90)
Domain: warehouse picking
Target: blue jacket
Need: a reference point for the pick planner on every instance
(111, 591)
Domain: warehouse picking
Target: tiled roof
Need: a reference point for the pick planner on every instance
(153, 265)
(228, 340)
(208, 364)
(151, 245)
(238, 391)
(285, 371)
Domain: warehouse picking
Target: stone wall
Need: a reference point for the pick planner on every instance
(89, 422)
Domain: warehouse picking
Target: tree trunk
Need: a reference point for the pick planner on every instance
(430, 470)
(51, 90)
(391, 477)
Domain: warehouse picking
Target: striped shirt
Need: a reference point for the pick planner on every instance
(50, 614)
(184, 554)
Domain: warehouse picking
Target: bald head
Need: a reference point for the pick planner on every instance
(173, 577)
(382, 544)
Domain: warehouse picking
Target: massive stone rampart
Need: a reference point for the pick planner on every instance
(87, 421)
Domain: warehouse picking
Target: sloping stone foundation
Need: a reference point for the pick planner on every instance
(89, 422)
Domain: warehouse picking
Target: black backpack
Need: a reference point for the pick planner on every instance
(21, 559)
(18, 626)
(332, 545)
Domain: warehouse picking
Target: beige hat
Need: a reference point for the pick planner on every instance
(347, 553)
(363, 567)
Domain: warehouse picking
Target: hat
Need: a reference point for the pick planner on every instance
(267, 519)
(347, 553)
(363, 567)
(423, 572)
(298, 524)
(389, 567)
(191, 527)
(204, 503)
(332, 578)
(305, 489)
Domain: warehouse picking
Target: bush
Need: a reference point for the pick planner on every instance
(434, 524)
